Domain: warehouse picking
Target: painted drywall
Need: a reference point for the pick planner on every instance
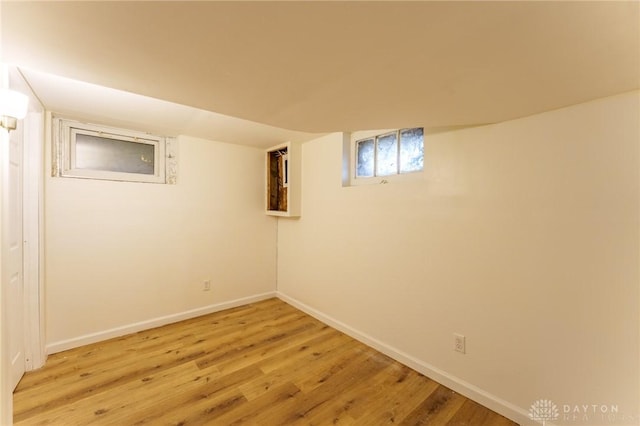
(120, 254)
(523, 236)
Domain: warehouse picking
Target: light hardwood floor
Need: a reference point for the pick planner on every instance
(261, 364)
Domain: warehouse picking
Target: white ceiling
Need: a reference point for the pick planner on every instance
(102, 105)
(320, 67)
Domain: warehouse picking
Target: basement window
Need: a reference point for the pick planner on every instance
(389, 153)
(99, 152)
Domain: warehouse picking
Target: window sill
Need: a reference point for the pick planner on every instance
(383, 180)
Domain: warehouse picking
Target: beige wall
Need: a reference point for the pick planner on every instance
(122, 253)
(523, 236)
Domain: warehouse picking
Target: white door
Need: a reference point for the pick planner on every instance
(14, 264)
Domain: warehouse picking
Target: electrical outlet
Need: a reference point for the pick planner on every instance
(458, 343)
(206, 286)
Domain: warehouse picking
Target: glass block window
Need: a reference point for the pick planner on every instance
(411, 150)
(387, 154)
(366, 158)
(98, 152)
(392, 153)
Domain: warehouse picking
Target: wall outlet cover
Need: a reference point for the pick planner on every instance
(459, 343)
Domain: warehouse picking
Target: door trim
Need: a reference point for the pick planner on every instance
(33, 215)
(33, 222)
(34, 287)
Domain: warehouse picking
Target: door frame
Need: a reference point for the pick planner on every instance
(33, 226)
(33, 223)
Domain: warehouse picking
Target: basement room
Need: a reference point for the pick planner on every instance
(320, 213)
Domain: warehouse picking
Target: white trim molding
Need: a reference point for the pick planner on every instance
(66, 153)
(33, 235)
(87, 339)
(454, 383)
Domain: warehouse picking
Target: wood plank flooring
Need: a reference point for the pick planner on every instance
(265, 363)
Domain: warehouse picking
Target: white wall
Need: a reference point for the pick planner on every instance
(523, 236)
(120, 256)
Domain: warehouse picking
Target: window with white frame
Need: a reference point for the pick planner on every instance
(99, 152)
(390, 153)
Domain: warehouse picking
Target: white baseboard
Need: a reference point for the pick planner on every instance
(86, 339)
(454, 383)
